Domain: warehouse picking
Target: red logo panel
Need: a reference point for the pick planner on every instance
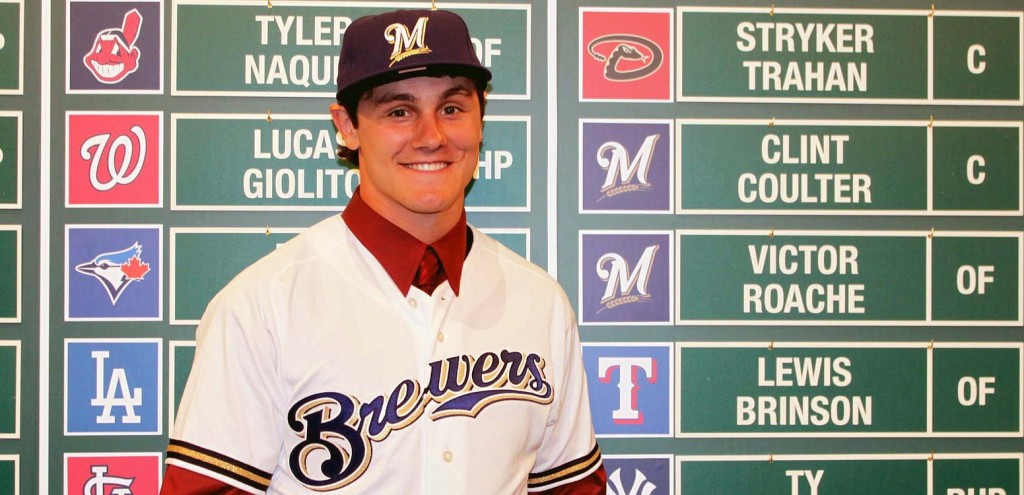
(112, 474)
(114, 159)
(626, 55)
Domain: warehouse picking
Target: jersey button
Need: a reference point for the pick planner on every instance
(440, 336)
(412, 303)
(448, 456)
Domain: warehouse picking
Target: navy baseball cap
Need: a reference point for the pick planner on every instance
(382, 48)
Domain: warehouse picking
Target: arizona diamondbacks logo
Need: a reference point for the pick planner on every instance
(116, 270)
(337, 430)
(626, 48)
(614, 157)
(407, 43)
(623, 286)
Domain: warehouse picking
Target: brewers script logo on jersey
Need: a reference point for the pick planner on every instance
(625, 166)
(626, 54)
(639, 475)
(112, 474)
(112, 386)
(113, 272)
(625, 277)
(114, 47)
(630, 388)
(114, 159)
(337, 429)
(407, 43)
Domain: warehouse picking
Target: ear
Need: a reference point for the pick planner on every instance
(343, 123)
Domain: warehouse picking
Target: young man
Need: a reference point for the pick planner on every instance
(393, 349)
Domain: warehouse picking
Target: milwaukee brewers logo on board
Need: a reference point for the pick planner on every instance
(639, 475)
(338, 431)
(630, 388)
(112, 386)
(112, 474)
(113, 273)
(625, 166)
(625, 277)
(407, 43)
(114, 47)
(114, 160)
(626, 54)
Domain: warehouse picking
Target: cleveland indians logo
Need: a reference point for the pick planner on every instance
(114, 55)
(116, 270)
(407, 43)
(98, 484)
(624, 50)
(122, 172)
(621, 282)
(338, 431)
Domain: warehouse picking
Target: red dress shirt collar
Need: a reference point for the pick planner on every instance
(398, 251)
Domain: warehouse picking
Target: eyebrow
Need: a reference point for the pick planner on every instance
(389, 97)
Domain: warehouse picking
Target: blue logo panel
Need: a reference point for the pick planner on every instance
(113, 273)
(112, 387)
(642, 475)
(630, 388)
(626, 277)
(626, 166)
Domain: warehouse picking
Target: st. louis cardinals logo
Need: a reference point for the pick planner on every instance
(613, 157)
(407, 43)
(338, 431)
(106, 170)
(114, 55)
(623, 286)
(620, 51)
(100, 482)
(116, 270)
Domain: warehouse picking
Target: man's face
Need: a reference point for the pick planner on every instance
(419, 144)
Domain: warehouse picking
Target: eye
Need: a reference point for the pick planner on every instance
(450, 110)
(116, 50)
(398, 112)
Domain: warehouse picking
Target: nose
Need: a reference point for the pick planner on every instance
(430, 133)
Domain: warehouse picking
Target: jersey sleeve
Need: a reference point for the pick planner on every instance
(228, 425)
(569, 452)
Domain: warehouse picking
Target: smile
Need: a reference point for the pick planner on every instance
(427, 167)
(108, 71)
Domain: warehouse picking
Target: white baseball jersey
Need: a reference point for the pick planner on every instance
(314, 374)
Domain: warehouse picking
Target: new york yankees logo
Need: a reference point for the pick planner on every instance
(640, 486)
(407, 43)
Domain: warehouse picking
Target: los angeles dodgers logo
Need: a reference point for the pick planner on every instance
(407, 43)
(623, 286)
(618, 51)
(116, 270)
(114, 55)
(98, 484)
(338, 431)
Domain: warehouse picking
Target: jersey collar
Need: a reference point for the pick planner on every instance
(399, 252)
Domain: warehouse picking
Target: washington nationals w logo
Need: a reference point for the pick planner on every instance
(124, 171)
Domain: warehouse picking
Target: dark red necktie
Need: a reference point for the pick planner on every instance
(430, 274)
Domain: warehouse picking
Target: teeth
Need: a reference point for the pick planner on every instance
(427, 167)
(108, 71)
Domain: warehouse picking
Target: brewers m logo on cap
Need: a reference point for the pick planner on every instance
(407, 43)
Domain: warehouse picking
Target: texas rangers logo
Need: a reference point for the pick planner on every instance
(114, 55)
(630, 388)
(618, 52)
(338, 431)
(116, 270)
(407, 43)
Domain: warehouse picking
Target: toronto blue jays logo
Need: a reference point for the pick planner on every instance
(114, 55)
(116, 270)
(338, 431)
(619, 51)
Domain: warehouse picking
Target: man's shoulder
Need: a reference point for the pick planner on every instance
(521, 271)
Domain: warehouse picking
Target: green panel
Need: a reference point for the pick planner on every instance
(9, 374)
(856, 477)
(961, 269)
(783, 167)
(892, 60)
(182, 360)
(204, 262)
(10, 166)
(854, 390)
(518, 243)
(717, 272)
(9, 250)
(502, 178)
(252, 163)
(8, 476)
(976, 390)
(958, 476)
(10, 46)
(977, 168)
(253, 56)
(997, 37)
